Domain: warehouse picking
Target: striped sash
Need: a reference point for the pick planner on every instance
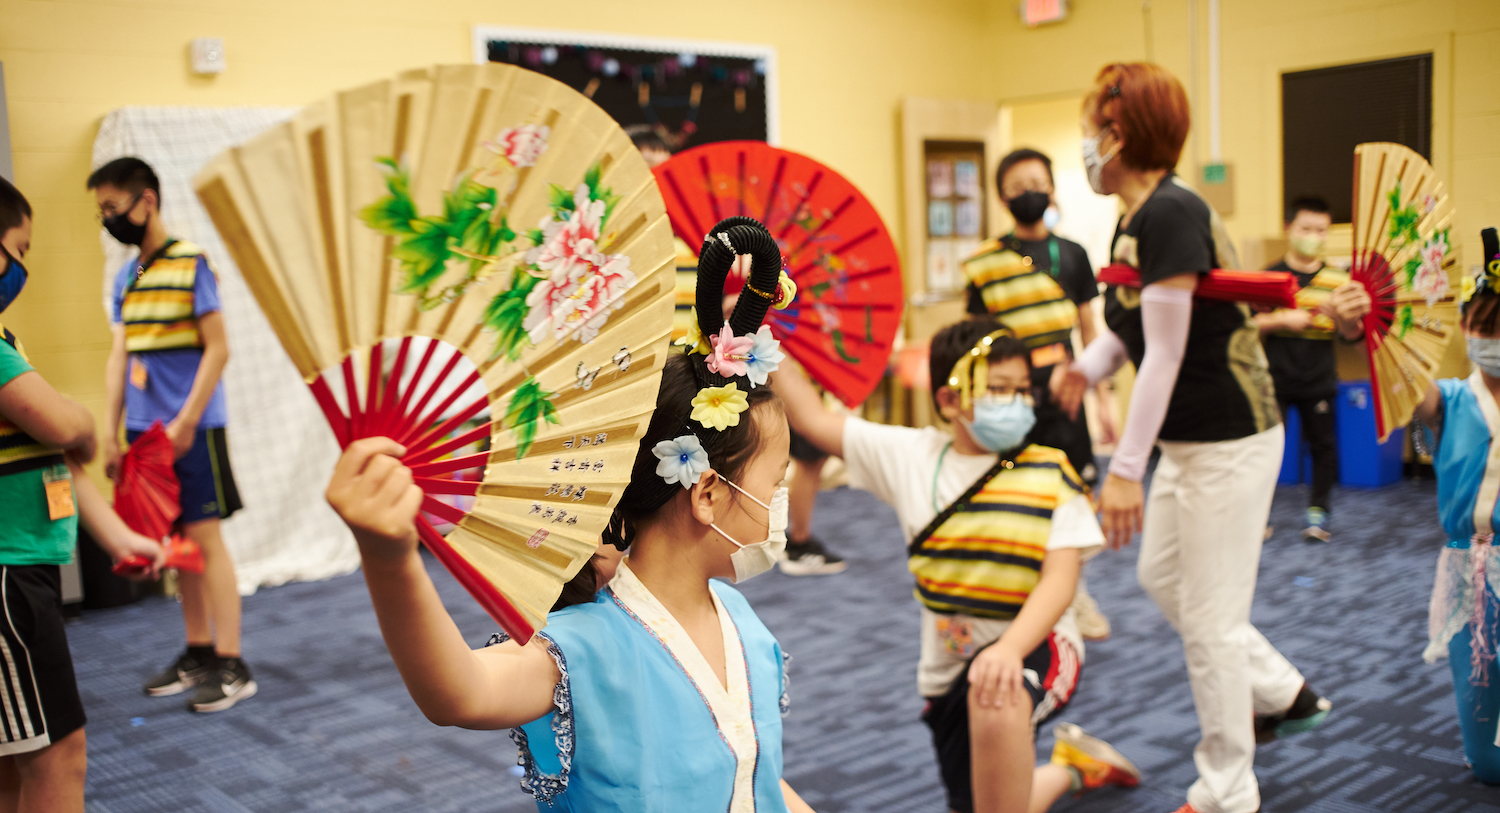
(158, 305)
(18, 450)
(1311, 297)
(1024, 298)
(983, 554)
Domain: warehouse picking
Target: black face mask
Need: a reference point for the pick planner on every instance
(1028, 207)
(120, 227)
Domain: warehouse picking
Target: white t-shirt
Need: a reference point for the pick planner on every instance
(899, 465)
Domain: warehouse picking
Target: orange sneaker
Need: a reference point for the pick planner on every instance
(1097, 763)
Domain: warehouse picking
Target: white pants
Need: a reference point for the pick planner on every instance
(1200, 551)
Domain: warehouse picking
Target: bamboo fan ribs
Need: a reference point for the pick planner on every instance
(461, 244)
(1404, 257)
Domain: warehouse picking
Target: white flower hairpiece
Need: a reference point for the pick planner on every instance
(683, 460)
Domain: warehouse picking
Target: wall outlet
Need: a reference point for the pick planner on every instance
(208, 55)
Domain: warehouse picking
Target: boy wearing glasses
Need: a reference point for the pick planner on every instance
(168, 355)
(996, 527)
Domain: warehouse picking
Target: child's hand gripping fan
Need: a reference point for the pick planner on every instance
(182, 554)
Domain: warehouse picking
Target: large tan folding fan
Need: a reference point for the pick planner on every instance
(457, 244)
(1404, 257)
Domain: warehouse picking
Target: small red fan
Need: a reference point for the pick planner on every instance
(1277, 289)
(838, 252)
(147, 499)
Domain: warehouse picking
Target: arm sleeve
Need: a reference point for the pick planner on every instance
(205, 289)
(1104, 355)
(117, 299)
(11, 364)
(1166, 315)
(1075, 526)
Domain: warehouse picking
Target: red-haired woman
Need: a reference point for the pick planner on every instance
(1203, 392)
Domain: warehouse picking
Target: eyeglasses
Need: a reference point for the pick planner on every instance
(107, 209)
(1008, 395)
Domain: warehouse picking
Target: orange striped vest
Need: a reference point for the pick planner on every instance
(158, 305)
(18, 450)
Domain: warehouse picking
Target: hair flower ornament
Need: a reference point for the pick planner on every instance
(694, 341)
(719, 408)
(764, 357)
(730, 352)
(683, 460)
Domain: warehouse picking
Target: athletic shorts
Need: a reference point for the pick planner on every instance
(804, 450)
(1051, 675)
(39, 702)
(208, 490)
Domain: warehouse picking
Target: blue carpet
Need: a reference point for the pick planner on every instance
(333, 729)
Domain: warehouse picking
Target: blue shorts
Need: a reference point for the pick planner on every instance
(208, 489)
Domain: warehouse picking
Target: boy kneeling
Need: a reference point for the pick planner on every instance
(996, 528)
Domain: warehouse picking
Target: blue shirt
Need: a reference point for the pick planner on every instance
(168, 375)
(1461, 460)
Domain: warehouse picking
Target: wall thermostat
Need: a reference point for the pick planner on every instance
(208, 55)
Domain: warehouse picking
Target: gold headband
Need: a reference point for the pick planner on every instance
(973, 368)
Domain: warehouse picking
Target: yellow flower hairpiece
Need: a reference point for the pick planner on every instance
(694, 340)
(1467, 289)
(719, 407)
(788, 290)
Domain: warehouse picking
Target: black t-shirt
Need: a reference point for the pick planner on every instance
(1075, 277)
(1224, 389)
(1302, 368)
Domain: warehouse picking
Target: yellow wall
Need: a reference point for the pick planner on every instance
(844, 66)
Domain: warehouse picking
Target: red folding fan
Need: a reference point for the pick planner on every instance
(837, 249)
(147, 499)
(1277, 289)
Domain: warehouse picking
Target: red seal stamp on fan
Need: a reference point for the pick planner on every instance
(537, 538)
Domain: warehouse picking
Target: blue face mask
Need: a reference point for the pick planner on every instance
(1485, 353)
(1001, 426)
(12, 281)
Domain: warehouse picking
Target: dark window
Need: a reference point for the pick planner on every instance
(1327, 112)
(692, 101)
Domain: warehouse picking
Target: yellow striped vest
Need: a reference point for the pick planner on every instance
(158, 306)
(1311, 297)
(1024, 298)
(18, 450)
(982, 555)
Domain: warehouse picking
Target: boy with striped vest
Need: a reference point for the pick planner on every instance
(169, 351)
(44, 439)
(996, 528)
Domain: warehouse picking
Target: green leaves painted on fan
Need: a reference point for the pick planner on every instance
(1404, 322)
(529, 406)
(1403, 220)
(506, 315)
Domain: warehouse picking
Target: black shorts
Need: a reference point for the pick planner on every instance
(805, 451)
(39, 702)
(208, 489)
(1051, 676)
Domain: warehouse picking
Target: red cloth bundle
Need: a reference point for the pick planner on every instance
(1276, 289)
(147, 498)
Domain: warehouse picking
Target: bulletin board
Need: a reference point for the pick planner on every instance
(689, 92)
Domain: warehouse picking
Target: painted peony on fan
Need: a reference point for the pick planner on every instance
(839, 256)
(461, 244)
(1404, 258)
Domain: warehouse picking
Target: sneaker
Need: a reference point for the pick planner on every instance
(231, 684)
(810, 558)
(1092, 623)
(1095, 761)
(1316, 530)
(184, 673)
(1308, 711)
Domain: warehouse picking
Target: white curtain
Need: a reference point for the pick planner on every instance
(280, 446)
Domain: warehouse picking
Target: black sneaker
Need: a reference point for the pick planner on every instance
(810, 558)
(185, 673)
(1308, 711)
(230, 684)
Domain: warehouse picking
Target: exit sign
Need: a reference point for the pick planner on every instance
(1036, 12)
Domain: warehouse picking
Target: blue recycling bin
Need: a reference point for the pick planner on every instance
(1364, 463)
(1296, 457)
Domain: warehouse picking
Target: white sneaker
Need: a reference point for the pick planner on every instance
(1091, 622)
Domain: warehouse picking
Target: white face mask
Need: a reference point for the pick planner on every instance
(1093, 162)
(754, 559)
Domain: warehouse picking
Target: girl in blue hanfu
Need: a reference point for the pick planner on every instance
(662, 691)
(1465, 424)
